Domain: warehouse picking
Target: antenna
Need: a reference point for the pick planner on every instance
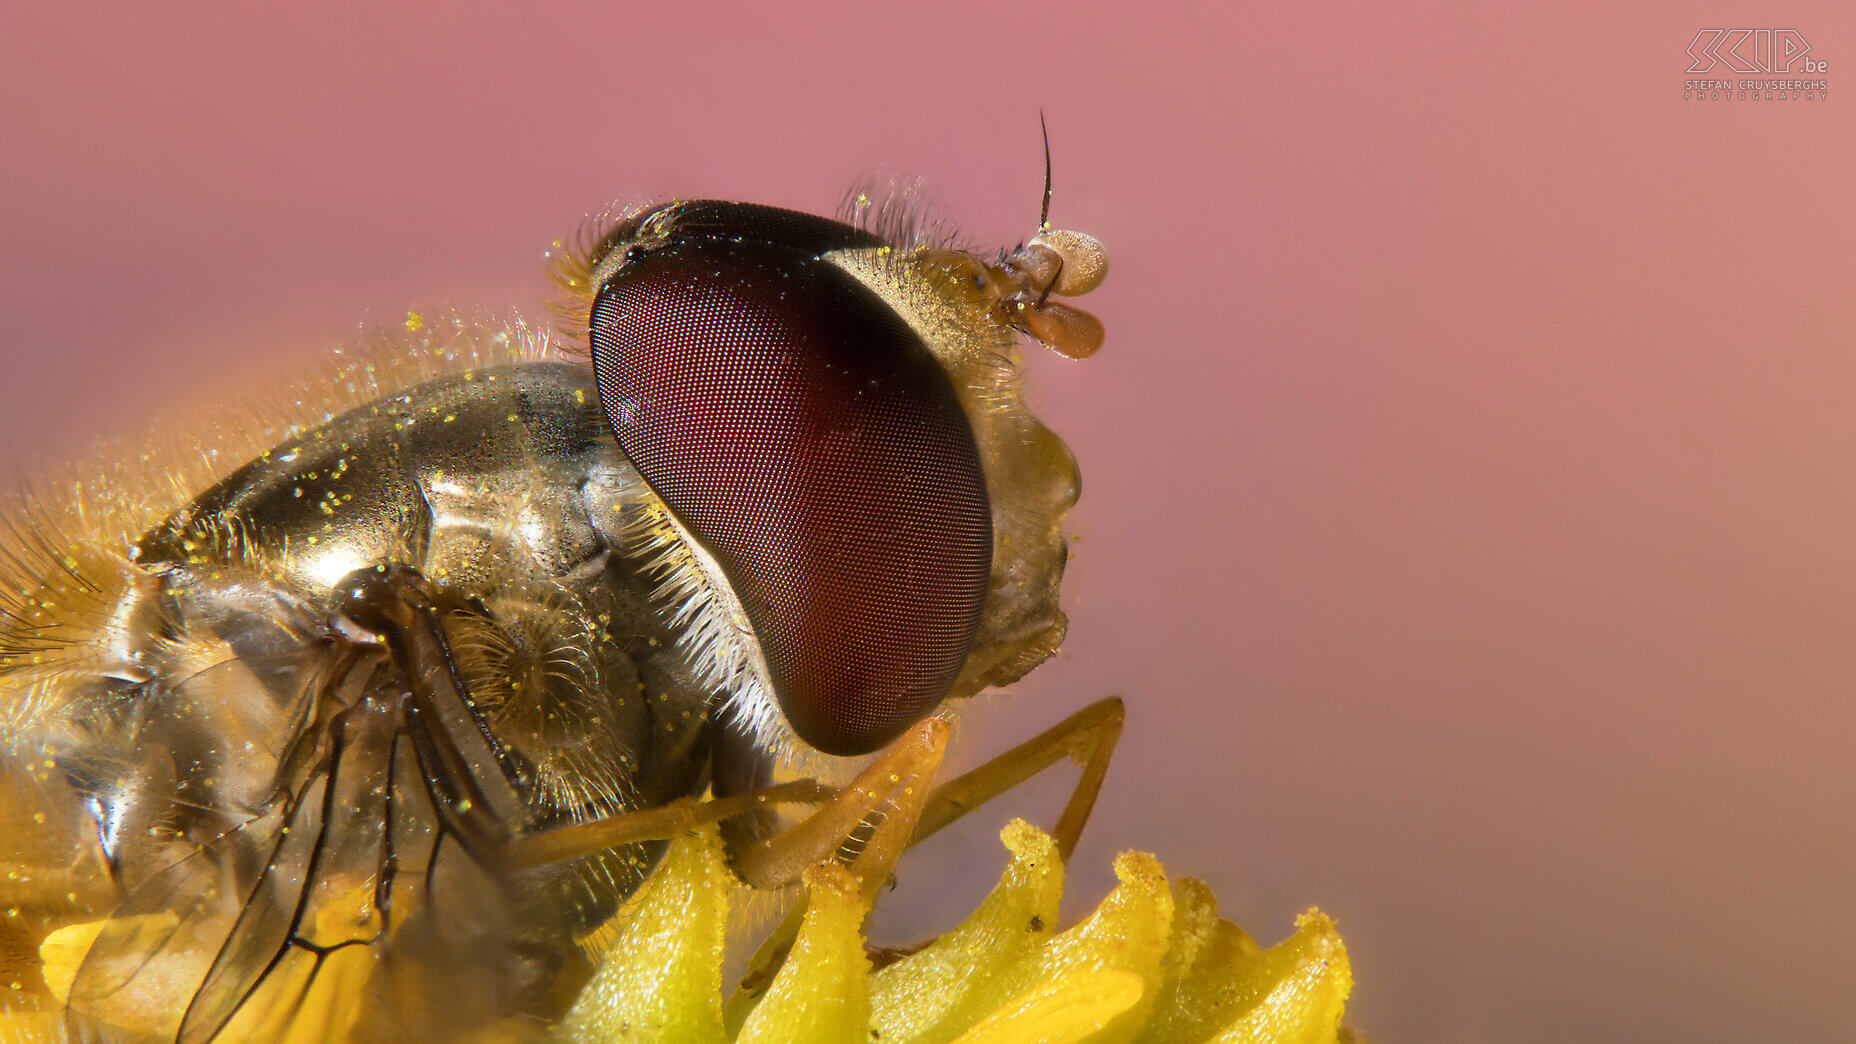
(1044, 215)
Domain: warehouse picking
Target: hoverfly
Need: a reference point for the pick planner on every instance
(369, 736)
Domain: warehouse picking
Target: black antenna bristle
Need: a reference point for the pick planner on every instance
(1044, 214)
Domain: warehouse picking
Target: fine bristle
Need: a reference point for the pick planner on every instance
(59, 584)
(899, 212)
(713, 631)
(571, 263)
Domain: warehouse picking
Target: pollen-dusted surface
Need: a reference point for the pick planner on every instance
(807, 437)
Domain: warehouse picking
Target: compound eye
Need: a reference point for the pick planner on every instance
(807, 438)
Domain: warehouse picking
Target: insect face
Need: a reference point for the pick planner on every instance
(809, 441)
(790, 387)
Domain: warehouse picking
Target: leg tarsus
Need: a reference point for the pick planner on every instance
(896, 783)
(1087, 737)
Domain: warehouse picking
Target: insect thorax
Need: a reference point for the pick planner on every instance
(222, 682)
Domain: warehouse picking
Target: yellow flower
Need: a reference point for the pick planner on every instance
(1152, 964)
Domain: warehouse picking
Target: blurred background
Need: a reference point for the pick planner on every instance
(1469, 515)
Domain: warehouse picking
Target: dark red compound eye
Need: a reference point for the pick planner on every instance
(803, 432)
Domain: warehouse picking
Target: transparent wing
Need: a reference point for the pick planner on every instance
(343, 892)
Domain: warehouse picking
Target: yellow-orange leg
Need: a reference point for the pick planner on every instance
(894, 785)
(657, 824)
(1086, 737)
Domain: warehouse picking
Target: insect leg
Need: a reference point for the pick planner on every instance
(657, 824)
(894, 786)
(897, 777)
(460, 755)
(1087, 737)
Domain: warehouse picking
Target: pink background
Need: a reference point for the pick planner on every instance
(1470, 514)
